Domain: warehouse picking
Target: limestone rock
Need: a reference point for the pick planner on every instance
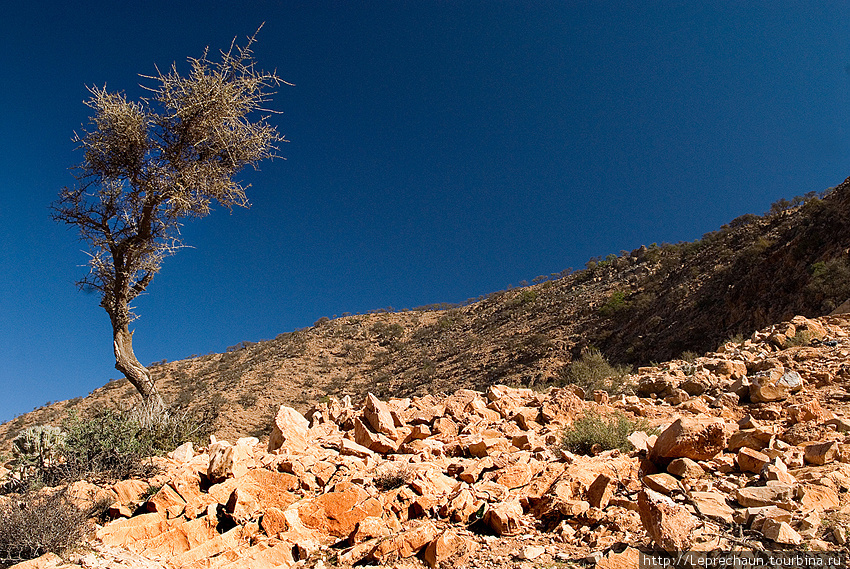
(504, 517)
(378, 415)
(781, 532)
(764, 495)
(669, 524)
(713, 505)
(685, 468)
(290, 429)
(446, 546)
(821, 453)
(774, 385)
(750, 460)
(698, 439)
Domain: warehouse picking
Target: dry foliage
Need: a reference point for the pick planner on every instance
(150, 163)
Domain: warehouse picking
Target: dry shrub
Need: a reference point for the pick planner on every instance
(35, 523)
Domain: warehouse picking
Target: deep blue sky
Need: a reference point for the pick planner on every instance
(439, 151)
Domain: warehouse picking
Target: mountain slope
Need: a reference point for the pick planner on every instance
(651, 304)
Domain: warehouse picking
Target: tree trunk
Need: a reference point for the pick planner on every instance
(126, 363)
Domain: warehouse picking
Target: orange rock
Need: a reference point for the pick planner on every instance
(378, 415)
(669, 524)
(750, 460)
(124, 531)
(699, 438)
(446, 546)
(601, 491)
(290, 429)
(821, 453)
(167, 501)
(405, 544)
(274, 522)
(338, 512)
(504, 518)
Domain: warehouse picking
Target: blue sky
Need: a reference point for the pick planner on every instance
(439, 151)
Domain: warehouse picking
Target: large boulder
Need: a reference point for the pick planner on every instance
(669, 524)
(290, 429)
(774, 385)
(700, 438)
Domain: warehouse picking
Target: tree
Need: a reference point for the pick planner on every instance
(149, 164)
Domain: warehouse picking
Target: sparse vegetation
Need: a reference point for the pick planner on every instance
(37, 523)
(592, 372)
(393, 477)
(615, 303)
(595, 431)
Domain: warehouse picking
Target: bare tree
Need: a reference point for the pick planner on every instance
(151, 163)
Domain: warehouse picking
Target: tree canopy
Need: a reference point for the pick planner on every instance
(150, 163)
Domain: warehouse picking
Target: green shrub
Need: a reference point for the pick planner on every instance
(615, 303)
(594, 428)
(592, 372)
(37, 523)
(830, 282)
(109, 445)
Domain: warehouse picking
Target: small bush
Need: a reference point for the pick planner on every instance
(594, 428)
(592, 372)
(392, 478)
(615, 303)
(110, 446)
(37, 523)
(801, 338)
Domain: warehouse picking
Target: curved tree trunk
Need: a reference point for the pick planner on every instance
(133, 370)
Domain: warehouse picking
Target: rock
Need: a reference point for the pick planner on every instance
(697, 439)
(662, 482)
(376, 442)
(405, 544)
(639, 440)
(167, 501)
(274, 522)
(290, 429)
(774, 385)
(504, 518)
(815, 329)
(379, 417)
(600, 492)
(821, 453)
(818, 498)
(750, 460)
(46, 561)
(530, 552)
(446, 546)
(350, 448)
(764, 495)
(183, 453)
(776, 470)
(338, 512)
(685, 468)
(808, 411)
(781, 532)
(125, 531)
(713, 505)
(130, 491)
(756, 438)
(669, 524)
(627, 559)
(226, 461)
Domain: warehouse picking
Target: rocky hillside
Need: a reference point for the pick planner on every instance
(746, 448)
(651, 304)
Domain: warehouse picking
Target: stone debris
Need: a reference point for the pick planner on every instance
(480, 479)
